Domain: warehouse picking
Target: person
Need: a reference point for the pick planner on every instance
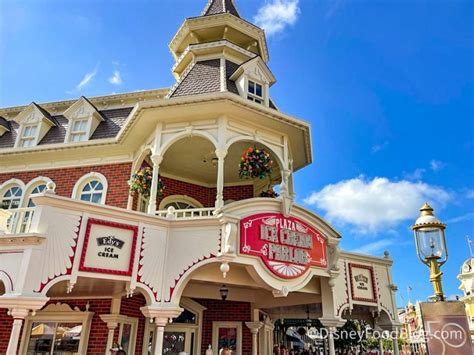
(276, 350)
(115, 347)
(226, 351)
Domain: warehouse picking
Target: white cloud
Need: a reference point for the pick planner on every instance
(416, 175)
(87, 78)
(464, 217)
(116, 79)
(374, 205)
(374, 247)
(378, 147)
(436, 165)
(275, 15)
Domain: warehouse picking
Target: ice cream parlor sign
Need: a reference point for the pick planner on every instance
(286, 245)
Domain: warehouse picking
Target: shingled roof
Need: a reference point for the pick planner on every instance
(114, 120)
(215, 7)
(205, 77)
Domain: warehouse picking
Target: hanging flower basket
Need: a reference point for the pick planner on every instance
(269, 193)
(140, 183)
(255, 163)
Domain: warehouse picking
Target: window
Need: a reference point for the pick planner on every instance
(255, 92)
(91, 187)
(28, 136)
(57, 329)
(92, 191)
(37, 190)
(227, 335)
(11, 198)
(79, 131)
(54, 338)
(179, 202)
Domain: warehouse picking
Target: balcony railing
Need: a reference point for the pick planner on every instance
(18, 220)
(189, 213)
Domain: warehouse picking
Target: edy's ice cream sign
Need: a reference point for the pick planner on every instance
(286, 245)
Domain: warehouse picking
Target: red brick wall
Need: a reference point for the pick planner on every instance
(6, 323)
(222, 311)
(117, 177)
(205, 195)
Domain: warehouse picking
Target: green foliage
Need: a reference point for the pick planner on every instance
(255, 163)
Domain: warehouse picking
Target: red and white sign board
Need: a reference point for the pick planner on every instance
(286, 245)
(109, 247)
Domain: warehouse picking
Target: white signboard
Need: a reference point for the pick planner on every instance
(362, 283)
(108, 247)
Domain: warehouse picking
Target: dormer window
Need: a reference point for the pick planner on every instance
(255, 92)
(79, 131)
(28, 136)
(34, 123)
(83, 120)
(253, 80)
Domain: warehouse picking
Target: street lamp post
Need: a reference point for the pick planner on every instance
(431, 246)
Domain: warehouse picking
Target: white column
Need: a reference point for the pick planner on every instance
(160, 332)
(110, 336)
(18, 316)
(254, 327)
(381, 346)
(332, 349)
(395, 347)
(221, 154)
(156, 159)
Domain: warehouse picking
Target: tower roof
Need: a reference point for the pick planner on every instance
(214, 7)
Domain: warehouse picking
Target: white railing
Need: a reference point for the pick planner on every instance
(189, 213)
(17, 220)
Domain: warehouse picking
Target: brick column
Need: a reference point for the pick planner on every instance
(156, 159)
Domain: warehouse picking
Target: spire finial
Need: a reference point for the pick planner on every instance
(426, 210)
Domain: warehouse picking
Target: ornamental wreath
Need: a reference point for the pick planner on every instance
(255, 163)
(140, 183)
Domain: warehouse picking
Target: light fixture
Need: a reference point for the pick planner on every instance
(431, 246)
(214, 161)
(224, 291)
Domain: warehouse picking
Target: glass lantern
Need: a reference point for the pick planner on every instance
(429, 237)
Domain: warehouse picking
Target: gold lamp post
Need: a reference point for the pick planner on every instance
(431, 246)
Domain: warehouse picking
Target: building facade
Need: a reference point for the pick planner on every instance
(204, 255)
(466, 276)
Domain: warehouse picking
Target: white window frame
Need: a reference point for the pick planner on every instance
(85, 132)
(85, 179)
(133, 322)
(59, 313)
(215, 335)
(31, 138)
(253, 96)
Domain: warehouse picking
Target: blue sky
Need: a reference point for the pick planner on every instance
(386, 85)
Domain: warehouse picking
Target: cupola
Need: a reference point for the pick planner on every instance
(218, 51)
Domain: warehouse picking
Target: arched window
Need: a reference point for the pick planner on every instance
(12, 198)
(36, 190)
(179, 202)
(91, 187)
(92, 191)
